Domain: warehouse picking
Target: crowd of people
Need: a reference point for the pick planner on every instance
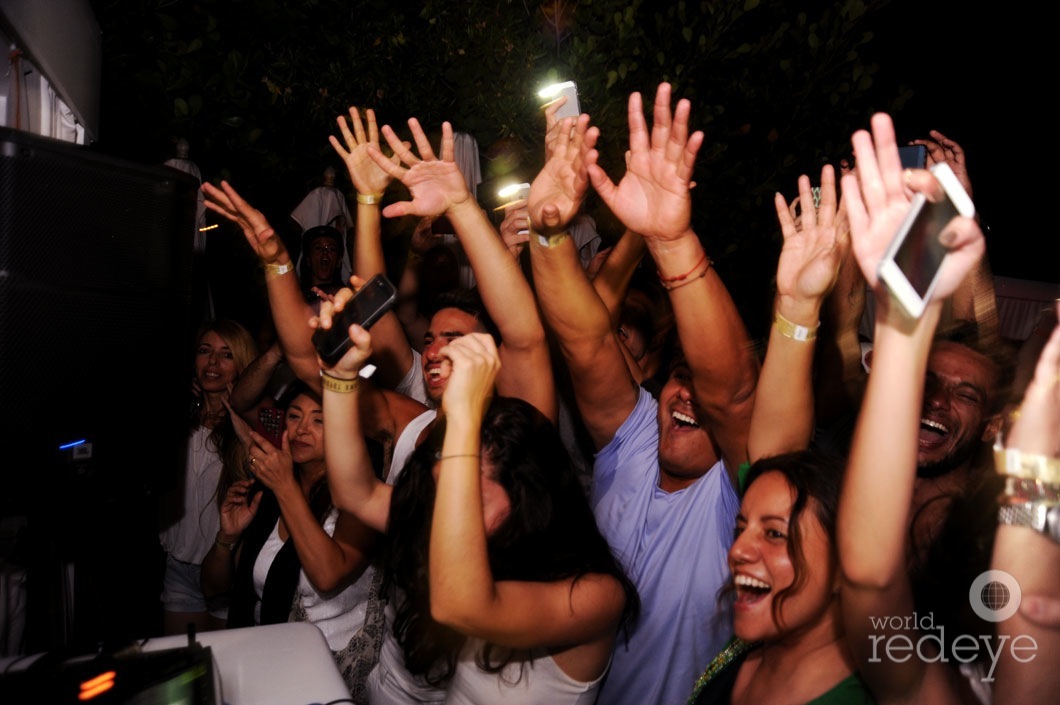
(579, 482)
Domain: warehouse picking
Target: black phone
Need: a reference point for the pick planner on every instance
(913, 156)
(367, 306)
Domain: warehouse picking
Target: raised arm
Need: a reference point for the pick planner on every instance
(654, 199)
(840, 376)
(603, 387)
(393, 353)
(976, 299)
(437, 188)
(875, 503)
(464, 594)
(1028, 555)
(249, 390)
(290, 312)
(783, 416)
(353, 484)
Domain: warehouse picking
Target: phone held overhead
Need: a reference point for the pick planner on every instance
(367, 306)
(566, 89)
(911, 264)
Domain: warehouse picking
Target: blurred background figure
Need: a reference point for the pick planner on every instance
(326, 205)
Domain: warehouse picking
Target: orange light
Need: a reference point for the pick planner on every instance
(94, 686)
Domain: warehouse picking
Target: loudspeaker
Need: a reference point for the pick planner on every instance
(95, 290)
(95, 373)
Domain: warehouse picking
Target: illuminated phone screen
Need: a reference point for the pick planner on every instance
(920, 254)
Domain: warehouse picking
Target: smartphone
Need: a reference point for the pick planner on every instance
(272, 421)
(367, 306)
(556, 91)
(512, 193)
(913, 157)
(911, 264)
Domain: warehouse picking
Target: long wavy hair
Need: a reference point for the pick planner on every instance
(550, 533)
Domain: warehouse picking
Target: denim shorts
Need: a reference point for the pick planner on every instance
(181, 591)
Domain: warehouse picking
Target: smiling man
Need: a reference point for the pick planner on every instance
(664, 479)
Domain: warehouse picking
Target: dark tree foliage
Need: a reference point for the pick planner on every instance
(256, 85)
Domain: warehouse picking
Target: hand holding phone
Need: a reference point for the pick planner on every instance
(913, 156)
(567, 90)
(367, 306)
(911, 263)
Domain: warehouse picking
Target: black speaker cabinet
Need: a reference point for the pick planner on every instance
(95, 287)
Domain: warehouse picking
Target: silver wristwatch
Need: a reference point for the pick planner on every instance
(1043, 518)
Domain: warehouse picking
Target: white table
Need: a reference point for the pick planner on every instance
(274, 664)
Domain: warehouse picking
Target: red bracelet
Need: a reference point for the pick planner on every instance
(682, 277)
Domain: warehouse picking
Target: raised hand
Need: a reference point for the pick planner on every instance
(514, 228)
(266, 244)
(475, 366)
(350, 364)
(436, 184)
(809, 260)
(423, 237)
(878, 199)
(558, 191)
(941, 149)
(273, 466)
(367, 176)
(653, 196)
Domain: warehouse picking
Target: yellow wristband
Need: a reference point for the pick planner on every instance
(369, 199)
(793, 330)
(278, 270)
(338, 384)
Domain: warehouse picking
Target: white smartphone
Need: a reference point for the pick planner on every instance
(513, 193)
(911, 264)
(567, 90)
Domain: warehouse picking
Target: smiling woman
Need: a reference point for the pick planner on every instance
(785, 578)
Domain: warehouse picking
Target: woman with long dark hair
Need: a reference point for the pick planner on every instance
(502, 584)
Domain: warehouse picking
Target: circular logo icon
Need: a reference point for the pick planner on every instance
(995, 595)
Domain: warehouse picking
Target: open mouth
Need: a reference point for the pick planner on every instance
(750, 590)
(434, 375)
(932, 432)
(681, 420)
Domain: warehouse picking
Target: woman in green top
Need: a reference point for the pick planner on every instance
(789, 644)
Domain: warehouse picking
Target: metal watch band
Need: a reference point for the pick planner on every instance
(1043, 518)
